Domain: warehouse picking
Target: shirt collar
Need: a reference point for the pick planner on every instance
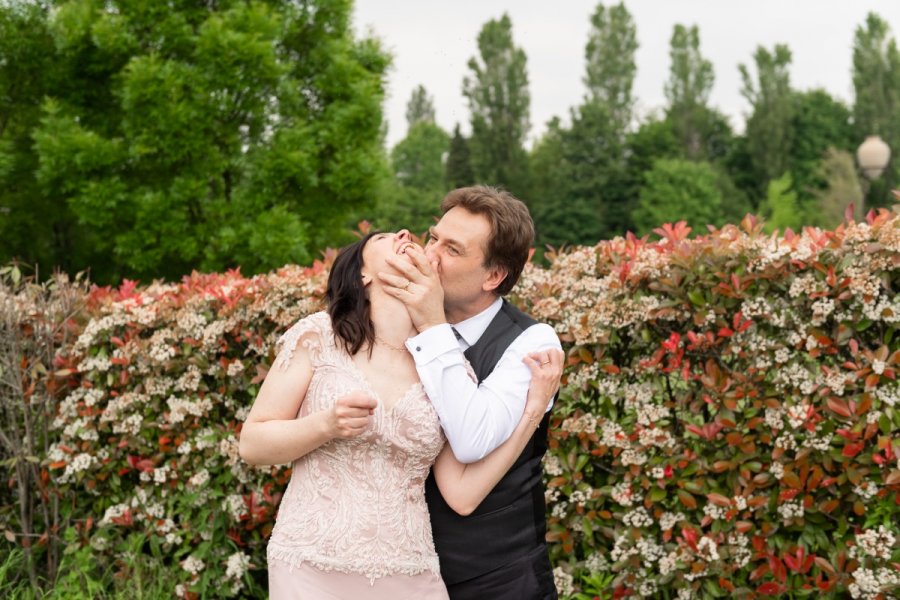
(473, 328)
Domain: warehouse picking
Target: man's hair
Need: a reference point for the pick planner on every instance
(512, 230)
(348, 303)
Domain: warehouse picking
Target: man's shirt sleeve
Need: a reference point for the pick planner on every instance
(476, 418)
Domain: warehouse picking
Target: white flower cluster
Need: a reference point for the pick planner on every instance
(715, 512)
(649, 437)
(871, 584)
(235, 506)
(884, 310)
(774, 418)
(821, 309)
(632, 457)
(623, 494)
(97, 326)
(708, 549)
(805, 285)
(191, 322)
(792, 509)
(236, 565)
(596, 563)
(878, 543)
(798, 415)
(889, 395)
(199, 479)
(782, 355)
(867, 492)
(118, 405)
(613, 436)
(668, 520)
(130, 424)
(739, 549)
(552, 465)
(81, 462)
(786, 441)
(189, 380)
(777, 470)
(837, 381)
(580, 497)
(180, 408)
(822, 444)
(638, 517)
(586, 423)
(564, 581)
(755, 307)
(236, 367)
(193, 565)
(113, 512)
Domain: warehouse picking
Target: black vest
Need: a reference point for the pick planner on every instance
(510, 522)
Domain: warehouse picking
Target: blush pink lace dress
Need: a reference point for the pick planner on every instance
(353, 523)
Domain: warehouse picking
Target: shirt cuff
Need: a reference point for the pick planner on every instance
(432, 343)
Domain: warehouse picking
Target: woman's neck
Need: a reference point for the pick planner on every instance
(391, 320)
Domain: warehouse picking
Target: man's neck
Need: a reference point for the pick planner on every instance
(459, 314)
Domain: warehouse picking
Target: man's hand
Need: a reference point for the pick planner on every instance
(418, 287)
(349, 416)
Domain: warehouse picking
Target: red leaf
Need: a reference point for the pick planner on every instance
(770, 588)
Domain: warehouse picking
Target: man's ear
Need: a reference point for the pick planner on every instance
(494, 279)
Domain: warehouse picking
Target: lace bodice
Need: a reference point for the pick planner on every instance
(357, 505)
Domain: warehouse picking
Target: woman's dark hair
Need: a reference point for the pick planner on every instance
(348, 303)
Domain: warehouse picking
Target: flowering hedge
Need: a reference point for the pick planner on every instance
(728, 424)
(731, 423)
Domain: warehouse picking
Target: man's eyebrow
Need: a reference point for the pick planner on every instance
(449, 241)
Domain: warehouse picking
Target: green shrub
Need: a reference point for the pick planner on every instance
(728, 424)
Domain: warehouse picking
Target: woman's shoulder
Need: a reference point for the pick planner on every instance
(315, 331)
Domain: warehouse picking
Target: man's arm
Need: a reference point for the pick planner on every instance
(477, 418)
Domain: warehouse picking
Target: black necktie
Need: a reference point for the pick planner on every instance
(456, 333)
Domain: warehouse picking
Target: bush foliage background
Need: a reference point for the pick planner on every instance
(729, 424)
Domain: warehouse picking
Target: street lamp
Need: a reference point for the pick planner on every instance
(872, 156)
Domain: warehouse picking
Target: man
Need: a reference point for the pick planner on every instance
(474, 256)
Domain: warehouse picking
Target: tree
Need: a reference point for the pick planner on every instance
(876, 83)
(780, 208)
(34, 228)
(842, 187)
(610, 57)
(209, 135)
(691, 77)
(420, 108)
(498, 97)
(819, 122)
(418, 168)
(458, 172)
(769, 135)
(678, 190)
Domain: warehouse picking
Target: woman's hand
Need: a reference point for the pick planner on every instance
(349, 417)
(546, 369)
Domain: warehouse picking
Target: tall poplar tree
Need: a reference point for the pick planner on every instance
(458, 169)
(701, 131)
(769, 133)
(498, 97)
(610, 62)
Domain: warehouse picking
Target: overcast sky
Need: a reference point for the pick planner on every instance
(431, 42)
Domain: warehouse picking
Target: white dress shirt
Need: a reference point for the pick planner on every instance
(476, 418)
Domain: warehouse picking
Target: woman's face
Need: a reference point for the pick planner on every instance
(381, 246)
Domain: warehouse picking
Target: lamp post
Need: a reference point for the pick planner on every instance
(872, 156)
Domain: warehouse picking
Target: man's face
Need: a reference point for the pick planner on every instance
(457, 243)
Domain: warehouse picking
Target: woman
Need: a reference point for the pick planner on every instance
(343, 402)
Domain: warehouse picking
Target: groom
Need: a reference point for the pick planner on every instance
(474, 256)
